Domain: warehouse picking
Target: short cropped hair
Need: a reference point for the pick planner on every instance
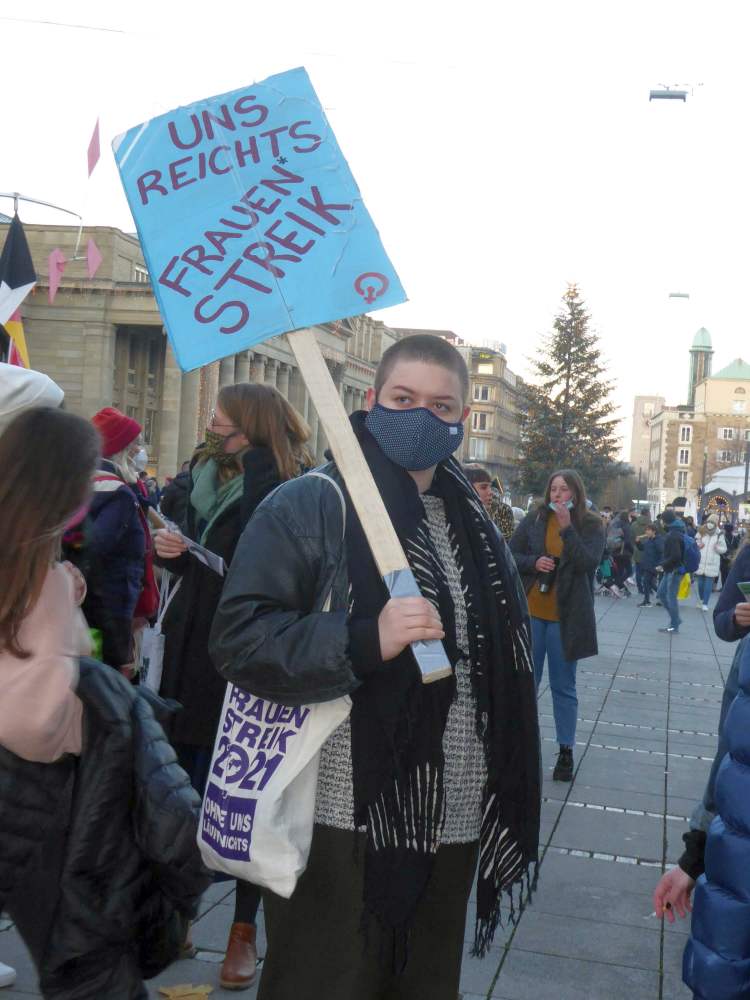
(423, 347)
(477, 474)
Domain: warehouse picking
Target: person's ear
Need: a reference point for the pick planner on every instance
(467, 411)
(371, 399)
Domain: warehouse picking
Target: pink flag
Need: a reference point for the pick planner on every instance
(93, 258)
(94, 149)
(56, 265)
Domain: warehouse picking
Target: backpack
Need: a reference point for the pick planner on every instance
(691, 558)
(615, 537)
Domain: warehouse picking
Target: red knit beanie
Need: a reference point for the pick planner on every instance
(117, 431)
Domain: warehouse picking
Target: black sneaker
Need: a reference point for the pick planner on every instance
(564, 766)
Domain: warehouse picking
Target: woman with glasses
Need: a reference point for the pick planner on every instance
(255, 440)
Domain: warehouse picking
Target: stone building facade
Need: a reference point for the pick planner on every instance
(691, 443)
(645, 409)
(103, 341)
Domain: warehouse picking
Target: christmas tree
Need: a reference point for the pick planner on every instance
(566, 416)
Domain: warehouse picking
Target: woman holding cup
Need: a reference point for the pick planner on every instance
(557, 548)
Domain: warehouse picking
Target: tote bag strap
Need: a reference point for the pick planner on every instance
(322, 475)
(167, 591)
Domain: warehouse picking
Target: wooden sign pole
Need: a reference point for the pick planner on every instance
(381, 536)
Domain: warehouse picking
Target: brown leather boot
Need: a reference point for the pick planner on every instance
(238, 969)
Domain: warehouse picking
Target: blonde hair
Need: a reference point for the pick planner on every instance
(267, 420)
(124, 464)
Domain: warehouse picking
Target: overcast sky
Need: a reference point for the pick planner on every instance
(502, 149)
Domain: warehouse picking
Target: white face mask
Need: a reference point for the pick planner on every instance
(140, 460)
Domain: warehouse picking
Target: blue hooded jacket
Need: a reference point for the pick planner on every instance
(717, 956)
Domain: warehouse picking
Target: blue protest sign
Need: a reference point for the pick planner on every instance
(250, 219)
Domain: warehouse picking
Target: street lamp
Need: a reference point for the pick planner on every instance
(703, 480)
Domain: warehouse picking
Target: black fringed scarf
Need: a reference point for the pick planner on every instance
(398, 722)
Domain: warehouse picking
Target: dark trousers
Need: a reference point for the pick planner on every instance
(648, 584)
(316, 948)
(639, 579)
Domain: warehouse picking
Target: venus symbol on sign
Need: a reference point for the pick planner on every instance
(370, 291)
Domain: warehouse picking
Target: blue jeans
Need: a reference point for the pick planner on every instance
(667, 594)
(546, 642)
(705, 588)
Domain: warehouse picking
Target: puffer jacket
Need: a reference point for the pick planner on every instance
(712, 545)
(116, 549)
(716, 963)
(582, 552)
(99, 868)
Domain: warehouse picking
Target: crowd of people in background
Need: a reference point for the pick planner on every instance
(302, 616)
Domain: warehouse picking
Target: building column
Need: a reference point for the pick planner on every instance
(189, 405)
(257, 368)
(169, 430)
(226, 372)
(349, 399)
(282, 382)
(272, 366)
(97, 377)
(297, 390)
(242, 367)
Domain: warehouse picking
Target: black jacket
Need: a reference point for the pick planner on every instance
(581, 554)
(270, 634)
(175, 497)
(189, 675)
(673, 554)
(100, 868)
(724, 624)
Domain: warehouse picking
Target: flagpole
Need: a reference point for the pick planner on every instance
(16, 196)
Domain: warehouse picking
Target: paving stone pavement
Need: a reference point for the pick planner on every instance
(648, 713)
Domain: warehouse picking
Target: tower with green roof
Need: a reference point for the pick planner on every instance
(701, 354)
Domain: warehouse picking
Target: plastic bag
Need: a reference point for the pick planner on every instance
(150, 646)
(684, 590)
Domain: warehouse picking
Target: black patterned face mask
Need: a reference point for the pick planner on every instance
(414, 439)
(214, 448)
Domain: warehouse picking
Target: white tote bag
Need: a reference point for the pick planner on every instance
(259, 804)
(150, 658)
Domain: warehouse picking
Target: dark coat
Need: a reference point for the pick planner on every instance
(717, 956)
(270, 634)
(175, 497)
(99, 865)
(650, 551)
(115, 553)
(724, 624)
(582, 552)
(673, 553)
(637, 528)
(189, 675)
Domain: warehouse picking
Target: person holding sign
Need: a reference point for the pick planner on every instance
(421, 779)
(255, 441)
